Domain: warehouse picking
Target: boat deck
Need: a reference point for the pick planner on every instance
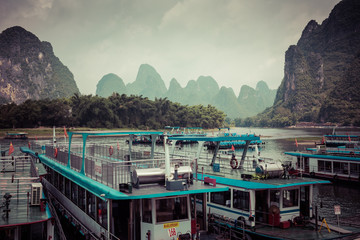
(223, 228)
(157, 190)
(17, 182)
(307, 232)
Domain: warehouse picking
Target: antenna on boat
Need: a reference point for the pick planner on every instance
(167, 158)
(333, 132)
(256, 153)
(54, 137)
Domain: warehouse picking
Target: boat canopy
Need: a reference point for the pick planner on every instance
(112, 133)
(216, 138)
(323, 156)
(275, 183)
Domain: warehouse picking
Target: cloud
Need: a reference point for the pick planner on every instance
(235, 41)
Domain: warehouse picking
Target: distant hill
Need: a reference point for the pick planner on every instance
(148, 83)
(30, 70)
(108, 84)
(256, 100)
(321, 76)
(205, 90)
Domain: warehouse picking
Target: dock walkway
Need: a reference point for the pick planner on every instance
(332, 227)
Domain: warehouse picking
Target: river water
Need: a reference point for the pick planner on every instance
(278, 141)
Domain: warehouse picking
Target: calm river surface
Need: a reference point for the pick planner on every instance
(279, 141)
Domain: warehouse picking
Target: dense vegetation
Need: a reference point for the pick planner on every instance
(116, 111)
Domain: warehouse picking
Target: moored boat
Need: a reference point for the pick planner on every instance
(267, 199)
(16, 135)
(336, 164)
(336, 140)
(111, 191)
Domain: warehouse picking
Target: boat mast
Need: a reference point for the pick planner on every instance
(54, 137)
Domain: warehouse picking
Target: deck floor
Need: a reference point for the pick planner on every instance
(307, 232)
(20, 210)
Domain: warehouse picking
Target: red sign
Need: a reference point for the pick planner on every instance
(172, 232)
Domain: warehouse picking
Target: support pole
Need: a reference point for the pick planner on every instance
(131, 220)
(153, 142)
(167, 158)
(130, 145)
(247, 143)
(205, 216)
(109, 214)
(217, 146)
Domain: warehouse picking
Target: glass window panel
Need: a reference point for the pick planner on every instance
(170, 209)
(222, 198)
(290, 198)
(241, 200)
(146, 211)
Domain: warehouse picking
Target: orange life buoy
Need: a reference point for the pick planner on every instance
(111, 150)
(233, 163)
(55, 152)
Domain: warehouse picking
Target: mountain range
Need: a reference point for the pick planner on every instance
(205, 90)
(30, 70)
(321, 77)
(322, 72)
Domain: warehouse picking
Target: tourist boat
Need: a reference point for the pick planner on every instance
(109, 190)
(336, 140)
(170, 131)
(17, 135)
(266, 198)
(24, 210)
(336, 163)
(237, 144)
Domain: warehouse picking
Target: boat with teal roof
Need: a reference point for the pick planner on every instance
(266, 199)
(335, 163)
(112, 190)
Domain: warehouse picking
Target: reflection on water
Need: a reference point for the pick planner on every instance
(278, 141)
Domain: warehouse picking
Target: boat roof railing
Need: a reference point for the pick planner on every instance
(244, 137)
(113, 133)
(17, 133)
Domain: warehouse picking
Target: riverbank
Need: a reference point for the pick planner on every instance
(47, 132)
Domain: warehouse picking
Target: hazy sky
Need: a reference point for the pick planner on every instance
(236, 42)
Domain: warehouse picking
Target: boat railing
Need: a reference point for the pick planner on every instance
(18, 179)
(348, 152)
(109, 169)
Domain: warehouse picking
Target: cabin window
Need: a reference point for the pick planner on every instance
(355, 169)
(51, 177)
(341, 168)
(321, 166)
(290, 198)
(91, 204)
(222, 198)
(275, 198)
(61, 183)
(81, 202)
(241, 200)
(67, 188)
(146, 211)
(74, 192)
(56, 180)
(102, 213)
(170, 209)
(328, 166)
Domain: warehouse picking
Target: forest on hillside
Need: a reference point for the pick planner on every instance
(116, 111)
